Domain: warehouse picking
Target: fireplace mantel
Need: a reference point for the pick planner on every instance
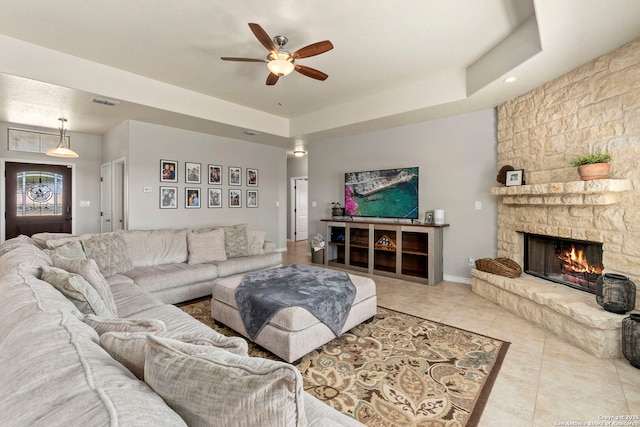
(573, 193)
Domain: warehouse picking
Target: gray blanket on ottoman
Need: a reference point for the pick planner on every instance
(327, 294)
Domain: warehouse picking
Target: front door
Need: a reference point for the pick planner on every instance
(38, 199)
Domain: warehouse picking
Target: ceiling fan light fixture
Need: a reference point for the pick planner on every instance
(63, 149)
(282, 65)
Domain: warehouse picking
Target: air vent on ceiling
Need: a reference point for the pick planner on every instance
(104, 101)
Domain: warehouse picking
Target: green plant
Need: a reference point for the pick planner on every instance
(589, 159)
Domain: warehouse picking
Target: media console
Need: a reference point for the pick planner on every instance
(408, 251)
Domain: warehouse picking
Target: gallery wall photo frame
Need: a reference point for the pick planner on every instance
(168, 197)
(192, 198)
(168, 171)
(235, 175)
(235, 198)
(214, 175)
(214, 199)
(192, 172)
(252, 198)
(252, 177)
(514, 178)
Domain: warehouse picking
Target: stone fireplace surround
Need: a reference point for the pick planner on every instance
(593, 108)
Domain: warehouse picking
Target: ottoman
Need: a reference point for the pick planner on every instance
(292, 332)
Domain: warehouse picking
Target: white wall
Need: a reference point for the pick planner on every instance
(457, 157)
(149, 143)
(86, 174)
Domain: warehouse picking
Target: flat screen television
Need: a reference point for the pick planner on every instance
(387, 193)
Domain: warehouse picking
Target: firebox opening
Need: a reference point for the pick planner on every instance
(575, 263)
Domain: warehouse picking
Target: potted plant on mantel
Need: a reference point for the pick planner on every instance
(593, 166)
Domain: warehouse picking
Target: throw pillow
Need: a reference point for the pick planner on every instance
(209, 386)
(70, 250)
(128, 348)
(88, 269)
(102, 325)
(235, 241)
(77, 290)
(206, 246)
(109, 252)
(255, 242)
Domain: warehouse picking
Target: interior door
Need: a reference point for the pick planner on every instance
(302, 210)
(105, 198)
(38, 199)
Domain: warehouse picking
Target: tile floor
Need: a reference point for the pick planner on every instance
(543, 381)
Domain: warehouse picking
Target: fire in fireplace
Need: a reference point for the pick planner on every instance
(575, 263)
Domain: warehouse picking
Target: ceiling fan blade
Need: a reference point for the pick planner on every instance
(313, 49)
(311, 72)
(272, 79)
(227, 58)
(263, 37)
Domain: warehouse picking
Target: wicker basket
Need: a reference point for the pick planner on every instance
(500, 266)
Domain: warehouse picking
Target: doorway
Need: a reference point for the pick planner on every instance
(300, 209)
(38, 199)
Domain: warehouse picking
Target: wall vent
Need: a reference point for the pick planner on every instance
(104, 101)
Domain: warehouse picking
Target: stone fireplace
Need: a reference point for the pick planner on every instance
(592, 109)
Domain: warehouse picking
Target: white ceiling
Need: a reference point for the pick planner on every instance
(395, 61)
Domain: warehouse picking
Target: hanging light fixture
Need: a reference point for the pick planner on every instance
(63, 149)
(299, 153)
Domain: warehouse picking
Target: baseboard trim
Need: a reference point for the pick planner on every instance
(457, 279)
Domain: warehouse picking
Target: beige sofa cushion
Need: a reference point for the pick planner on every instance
(23, 257)
(88, 269)
(235, 240)
(109, 252)
(206, 246)
(129, 348)
(255, 242)
(103, 325)
(70, 250)
(77, 290)
(155, 247)
(208, 386)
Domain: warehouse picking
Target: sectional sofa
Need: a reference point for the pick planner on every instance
(89, 336)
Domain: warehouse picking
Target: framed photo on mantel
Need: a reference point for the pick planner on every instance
(515, 177)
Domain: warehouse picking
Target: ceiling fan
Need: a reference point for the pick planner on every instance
(281, 62)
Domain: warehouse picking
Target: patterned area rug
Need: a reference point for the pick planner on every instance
(396, 370)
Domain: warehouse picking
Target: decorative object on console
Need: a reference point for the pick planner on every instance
(514, 177)
(500, 266)
(631, 339)
(428, 217)
(593, 166)
(438, 217)
(615, 293)
(502, 174)
(337, 210)
(385, 242)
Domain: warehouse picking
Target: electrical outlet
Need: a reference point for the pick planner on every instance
(478, 205)
(471, 262)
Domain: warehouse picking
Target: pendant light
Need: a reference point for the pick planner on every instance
(63, 149)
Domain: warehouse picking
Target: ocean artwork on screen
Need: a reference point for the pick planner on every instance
(388, 193)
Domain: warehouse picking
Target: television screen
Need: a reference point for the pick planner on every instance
(389, 193)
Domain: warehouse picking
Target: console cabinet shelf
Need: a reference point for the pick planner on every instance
(407, 251)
